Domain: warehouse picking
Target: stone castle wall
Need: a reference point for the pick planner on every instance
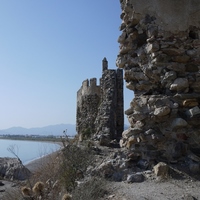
(100, 108)
(160, 56)
(88, 97)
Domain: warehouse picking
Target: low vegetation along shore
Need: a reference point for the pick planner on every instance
(48, 138)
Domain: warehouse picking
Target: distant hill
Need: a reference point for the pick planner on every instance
(47, 130)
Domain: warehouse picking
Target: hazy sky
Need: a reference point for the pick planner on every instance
(47, 48)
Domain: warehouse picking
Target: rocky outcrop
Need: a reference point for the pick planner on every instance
(159, 53)
(12, 169)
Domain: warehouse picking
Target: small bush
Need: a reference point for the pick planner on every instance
(38, 188)
(26, 191)
(91, 190)
(67, 197)
(74, 163)
(57, 174)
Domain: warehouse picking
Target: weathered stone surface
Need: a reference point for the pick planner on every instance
(161, 65)
(131, 140)
(100, 113)
(121, 61)
(178, 123)
(194, 111)
(180, 85)
(104, 140)
(150, 48)
(161, 169)
(137, 177)
(165, 13)
(12, 169)
(190, 103)
(169, 76)
(162, 111)
(172, 51)
(181, 59)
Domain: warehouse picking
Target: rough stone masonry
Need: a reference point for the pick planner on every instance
(160, 56)
(100, 108)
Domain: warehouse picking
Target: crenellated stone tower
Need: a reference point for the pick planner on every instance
(160, 56)
(100, 108)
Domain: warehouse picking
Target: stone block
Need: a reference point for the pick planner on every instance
(181, 59)
(180, 84)
(192, 68)
(129, 111)
(178, 67)
(133, 156)
(196, 86)
(194, 111)
(172, 51)
(190, 103)
(122, 142)
(132, 140)
(143, 164)
(150, 48)
(179, 123)
(127, 133)
(122, 37)
(137, 177)
(104, 141)
(162, 111)
(171, 75)
(161, 169)
(121, 61)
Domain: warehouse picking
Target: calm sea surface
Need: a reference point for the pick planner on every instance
(26, 150)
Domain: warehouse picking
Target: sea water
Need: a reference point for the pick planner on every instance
(26, 150)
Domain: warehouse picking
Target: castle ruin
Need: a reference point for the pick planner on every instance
(160, 56)
(100, 108)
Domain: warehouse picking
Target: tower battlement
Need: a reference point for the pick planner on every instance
(100, 107)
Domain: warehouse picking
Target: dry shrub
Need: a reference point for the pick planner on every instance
(93, 189)
(74, 164)
(47, 168)
(48, 173)
(38, 188)
(56, 174)
(67, 197)
(26, 191)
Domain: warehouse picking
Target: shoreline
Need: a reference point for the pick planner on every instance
(39, 149)
(33, 164)
(37, 163)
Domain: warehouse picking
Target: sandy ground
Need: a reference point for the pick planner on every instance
(155, 190)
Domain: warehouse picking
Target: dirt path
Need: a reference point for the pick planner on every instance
(155, 190)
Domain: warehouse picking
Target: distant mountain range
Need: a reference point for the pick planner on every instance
(47, 130)
(56, 130)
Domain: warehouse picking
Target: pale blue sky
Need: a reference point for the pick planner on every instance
(47, 48)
